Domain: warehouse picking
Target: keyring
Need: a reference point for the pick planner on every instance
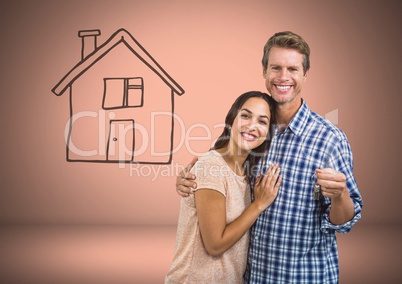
(317, 187)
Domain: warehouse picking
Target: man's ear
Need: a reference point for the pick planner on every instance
(305, 75)
(264, 72)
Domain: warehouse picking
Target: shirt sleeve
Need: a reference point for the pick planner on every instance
(341, 160)
(211, 174)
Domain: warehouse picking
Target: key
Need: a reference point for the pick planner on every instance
(317, 189)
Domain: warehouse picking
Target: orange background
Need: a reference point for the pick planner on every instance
(213, 49)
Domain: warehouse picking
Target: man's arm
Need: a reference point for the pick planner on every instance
(333, 185)
(185, 181)
(339, 185)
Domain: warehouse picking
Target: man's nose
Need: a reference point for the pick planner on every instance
(284, 74)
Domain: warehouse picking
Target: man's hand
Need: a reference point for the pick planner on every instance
(333, 183)
(185, 181)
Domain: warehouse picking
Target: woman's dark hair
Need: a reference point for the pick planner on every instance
(255, 154)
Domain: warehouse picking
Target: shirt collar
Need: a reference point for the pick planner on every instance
(299, 121)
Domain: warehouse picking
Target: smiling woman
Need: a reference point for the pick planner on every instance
(252, 114)
(250, 127)
(212, 236)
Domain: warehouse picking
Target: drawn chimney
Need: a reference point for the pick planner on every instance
(88, 42)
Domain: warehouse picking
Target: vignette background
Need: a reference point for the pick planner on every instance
(98, 222)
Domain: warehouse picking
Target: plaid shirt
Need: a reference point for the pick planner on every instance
(293, 241)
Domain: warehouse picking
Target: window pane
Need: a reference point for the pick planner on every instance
(134, 97)
(135, 81)
(135, 92)
(113, 93)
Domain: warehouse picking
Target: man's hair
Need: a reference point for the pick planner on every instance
(288, 40)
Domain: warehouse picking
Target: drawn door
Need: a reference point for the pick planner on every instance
(120, 144)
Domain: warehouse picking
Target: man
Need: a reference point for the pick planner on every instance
(293, 240)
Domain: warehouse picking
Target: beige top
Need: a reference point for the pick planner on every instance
(191, 262)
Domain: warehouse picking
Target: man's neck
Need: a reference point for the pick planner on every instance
(286, 111)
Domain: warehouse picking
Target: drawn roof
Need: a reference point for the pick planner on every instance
(120, 36)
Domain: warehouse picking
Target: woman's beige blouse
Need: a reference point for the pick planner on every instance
(191, 262)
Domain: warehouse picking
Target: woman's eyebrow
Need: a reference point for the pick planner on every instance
(249, 111)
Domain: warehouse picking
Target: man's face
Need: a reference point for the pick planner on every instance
(284, 76)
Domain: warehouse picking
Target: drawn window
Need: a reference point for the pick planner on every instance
(123, 92)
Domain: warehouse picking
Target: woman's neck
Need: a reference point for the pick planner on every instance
(234, 159)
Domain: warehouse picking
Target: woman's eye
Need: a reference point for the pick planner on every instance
(243, 115)
(263, 122)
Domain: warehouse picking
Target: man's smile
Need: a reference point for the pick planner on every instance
(283, 88)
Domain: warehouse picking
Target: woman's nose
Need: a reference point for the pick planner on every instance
(251, 125)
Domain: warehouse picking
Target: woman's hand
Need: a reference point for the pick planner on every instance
(266, 187)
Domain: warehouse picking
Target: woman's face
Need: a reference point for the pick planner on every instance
(251, 125)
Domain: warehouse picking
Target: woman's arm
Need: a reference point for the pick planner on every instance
(211, 210)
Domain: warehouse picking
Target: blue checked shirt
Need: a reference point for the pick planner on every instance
(293, 241)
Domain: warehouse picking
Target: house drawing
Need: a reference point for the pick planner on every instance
(121, 103)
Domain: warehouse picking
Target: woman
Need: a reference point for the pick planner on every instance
(212, 238)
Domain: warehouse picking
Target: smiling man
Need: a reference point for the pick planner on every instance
(294, 240)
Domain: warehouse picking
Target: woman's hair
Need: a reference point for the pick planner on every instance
(288, 40)
(256, 153)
